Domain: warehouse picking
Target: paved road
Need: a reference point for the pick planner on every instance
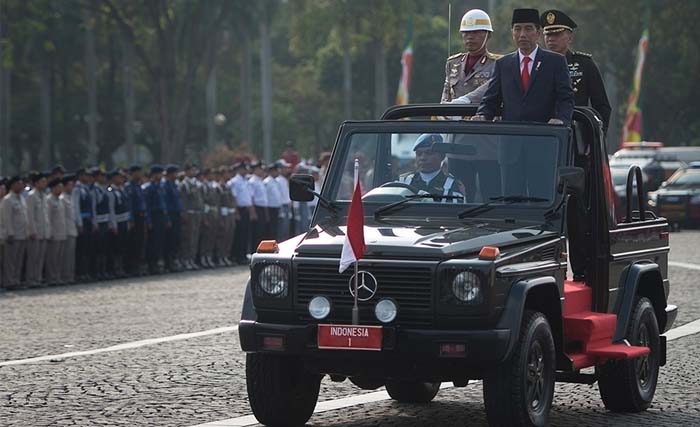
(188, 380)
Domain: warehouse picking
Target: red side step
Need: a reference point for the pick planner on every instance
(593, 331)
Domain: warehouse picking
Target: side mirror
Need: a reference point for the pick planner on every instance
(573, 178)
(301, 187)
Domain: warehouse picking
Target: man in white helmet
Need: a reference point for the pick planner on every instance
(467, 71)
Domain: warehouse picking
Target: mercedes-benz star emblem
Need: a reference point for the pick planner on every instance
(366, 285)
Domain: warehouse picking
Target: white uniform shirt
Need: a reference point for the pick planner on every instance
(37, 214)
(57, 218)
(274, 195)
(257, 188)
(71, 227)
(241, 191)
(14, 216)
(284, 189)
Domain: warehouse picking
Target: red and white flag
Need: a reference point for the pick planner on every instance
(354, 244)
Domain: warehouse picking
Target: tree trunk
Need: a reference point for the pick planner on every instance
(128, 80)
(347, 74)
(381, 99)
(45, 115)
(246, 82)
(91, 77)
(210, 93)
(266, 85)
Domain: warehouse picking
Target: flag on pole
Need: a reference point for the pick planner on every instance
(402, 94)
(632, 130)
(354, 244)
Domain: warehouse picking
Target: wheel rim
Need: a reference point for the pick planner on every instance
(536, 392)
(644, 366)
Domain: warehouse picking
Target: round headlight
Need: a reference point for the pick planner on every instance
(274, 281)
(319, 307)
(385, 310)
(466, 286)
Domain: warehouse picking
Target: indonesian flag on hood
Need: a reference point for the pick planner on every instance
(354, 244)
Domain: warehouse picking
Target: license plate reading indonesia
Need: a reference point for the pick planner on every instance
(349, 337)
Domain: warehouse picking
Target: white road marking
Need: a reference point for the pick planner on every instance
(361, 399)
(684, 265)
(683, 331)
(328, 405)
(123, 346)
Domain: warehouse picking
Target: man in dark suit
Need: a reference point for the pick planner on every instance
(530, 84)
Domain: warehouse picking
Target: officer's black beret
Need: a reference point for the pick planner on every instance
(427, 140)
(555, 21)
(172, 168)
(36, 176)
(68, 178)
(526, 16)
(156, 169)
(96, 171)
(54, 182)
(135, 168)
(13, 180)
(256, 164)
(58, 169)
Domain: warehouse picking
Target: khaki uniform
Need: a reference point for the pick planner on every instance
(39, 229)
(226, 223)
(192, 207)
(57, 242)
(16, 222)
(68, 269)
(207, 238)
(458, 83)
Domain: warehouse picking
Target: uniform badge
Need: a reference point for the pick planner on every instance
(550, 18)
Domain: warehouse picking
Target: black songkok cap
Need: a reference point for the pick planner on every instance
(526, 16)
(135, 168)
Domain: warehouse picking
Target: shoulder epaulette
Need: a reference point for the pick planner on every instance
(493, 56)
(578, 52)
(456, 55)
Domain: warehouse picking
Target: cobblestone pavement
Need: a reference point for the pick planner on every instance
(183, 383)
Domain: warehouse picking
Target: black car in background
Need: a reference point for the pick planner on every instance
(678, 198)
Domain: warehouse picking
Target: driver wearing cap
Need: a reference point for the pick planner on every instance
(429, 175)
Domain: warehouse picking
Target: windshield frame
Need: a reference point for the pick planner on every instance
(438, 210)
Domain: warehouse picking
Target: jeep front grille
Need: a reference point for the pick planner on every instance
(410, 286)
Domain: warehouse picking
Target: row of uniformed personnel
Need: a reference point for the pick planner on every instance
(91, 225)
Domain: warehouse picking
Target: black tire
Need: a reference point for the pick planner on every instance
(520, 391)
(281, 392)
(629, 385)
(412, 391)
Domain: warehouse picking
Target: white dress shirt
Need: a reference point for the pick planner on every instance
(274, 196)
(258, 189)
(284, 189)
(241, 191)
(532, 59)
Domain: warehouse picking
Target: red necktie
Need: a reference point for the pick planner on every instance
(525, 74)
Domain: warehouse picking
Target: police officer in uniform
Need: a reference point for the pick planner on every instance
(106, 224)
(159, 221)
(174, 206)
(193, 204)
(209, 220)
(122, 217)
(467, 71)
(238, 185)
(140, 219)
(429, 175)
(257, 189)
(3, 233)
(14, 218)
(84, 217)
(585, 76)
(39, 232)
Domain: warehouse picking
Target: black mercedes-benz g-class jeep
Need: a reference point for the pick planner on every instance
(470, 286)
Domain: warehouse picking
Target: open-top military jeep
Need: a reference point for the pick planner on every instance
(467, 284)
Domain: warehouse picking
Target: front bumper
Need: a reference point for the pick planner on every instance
(414, 352)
